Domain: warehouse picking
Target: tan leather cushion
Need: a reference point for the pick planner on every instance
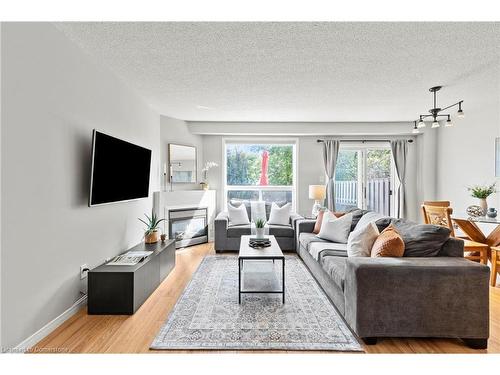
(319, 220)
(388, 244)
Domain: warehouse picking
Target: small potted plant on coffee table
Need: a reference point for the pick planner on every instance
(259, 228)
(151, 233)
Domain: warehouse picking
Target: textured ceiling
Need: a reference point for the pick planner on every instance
(290, 71)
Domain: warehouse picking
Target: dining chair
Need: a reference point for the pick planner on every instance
(439, 213)
(495, 265)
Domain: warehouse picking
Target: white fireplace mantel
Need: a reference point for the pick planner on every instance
(163, 201)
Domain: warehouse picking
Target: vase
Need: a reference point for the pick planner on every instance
(484, 205)
(152, 237)
(259, 233)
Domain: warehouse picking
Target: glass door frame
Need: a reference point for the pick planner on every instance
(362, 149)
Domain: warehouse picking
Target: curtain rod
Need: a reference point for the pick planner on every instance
(363, 140)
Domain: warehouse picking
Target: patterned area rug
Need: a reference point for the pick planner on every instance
(208, 316)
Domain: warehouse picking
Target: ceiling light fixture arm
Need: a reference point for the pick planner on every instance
(437, 112)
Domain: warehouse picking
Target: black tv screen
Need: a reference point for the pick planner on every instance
(120, 170)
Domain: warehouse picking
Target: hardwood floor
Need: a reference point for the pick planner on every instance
(84, 333)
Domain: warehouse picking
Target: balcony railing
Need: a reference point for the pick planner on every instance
(378, 195)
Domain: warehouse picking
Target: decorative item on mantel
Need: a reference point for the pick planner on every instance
(151, 234)
(208, 165)
(482, 192)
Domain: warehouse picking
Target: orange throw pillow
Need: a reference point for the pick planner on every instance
(319, 220)
(388, 244)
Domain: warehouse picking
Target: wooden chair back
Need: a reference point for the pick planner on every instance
(438, 215)
(437, 203)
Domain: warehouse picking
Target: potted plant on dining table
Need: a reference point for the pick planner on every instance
(481, 193)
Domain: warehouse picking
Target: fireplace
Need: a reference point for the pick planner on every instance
(188, 226)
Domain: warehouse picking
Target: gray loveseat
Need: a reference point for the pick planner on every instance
(440, 296)
(227, 236)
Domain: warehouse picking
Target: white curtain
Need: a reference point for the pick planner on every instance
(400, 154)
(330, 154)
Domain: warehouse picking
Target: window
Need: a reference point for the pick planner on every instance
(364, 178)
(260, 171)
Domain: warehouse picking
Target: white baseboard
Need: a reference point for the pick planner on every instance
(50, 326)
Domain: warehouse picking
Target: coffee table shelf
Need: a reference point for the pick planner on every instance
(271, 253)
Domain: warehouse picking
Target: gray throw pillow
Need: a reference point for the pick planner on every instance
(357, 214)
(383, 223)
(421, 240)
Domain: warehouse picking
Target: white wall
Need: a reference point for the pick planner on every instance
(0, 189)
(466, 152)
(52, 98)
(310, 160)
(426, 145)
(300, 128)
(176, 131)
(212, 151)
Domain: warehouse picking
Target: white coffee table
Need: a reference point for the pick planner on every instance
(272, 252)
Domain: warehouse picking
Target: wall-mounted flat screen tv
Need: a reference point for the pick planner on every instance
(120, 170)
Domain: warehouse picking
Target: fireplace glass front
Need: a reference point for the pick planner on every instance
(188, 226)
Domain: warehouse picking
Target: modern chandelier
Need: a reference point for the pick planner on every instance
(436, 112)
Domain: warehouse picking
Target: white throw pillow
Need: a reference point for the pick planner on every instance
(335, 229)
(258, 210)
(369, 217)
(280, 215)
(360, 241)
(237, 215)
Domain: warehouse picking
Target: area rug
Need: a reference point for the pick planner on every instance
(208, 316)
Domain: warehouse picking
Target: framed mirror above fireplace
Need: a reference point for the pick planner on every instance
(182, 163)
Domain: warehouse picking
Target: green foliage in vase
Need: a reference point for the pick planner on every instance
(259, 223)
(482, 192)
(151, 223)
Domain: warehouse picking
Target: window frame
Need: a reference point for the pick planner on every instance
(293, 141)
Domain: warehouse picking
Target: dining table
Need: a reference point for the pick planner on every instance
(469, 226)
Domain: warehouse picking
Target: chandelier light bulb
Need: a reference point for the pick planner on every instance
(460, 113)
(421, 124)
(415, 131)
(435, 124)
(448, 123)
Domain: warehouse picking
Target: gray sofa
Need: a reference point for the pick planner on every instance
(227, 237)
(441, 296)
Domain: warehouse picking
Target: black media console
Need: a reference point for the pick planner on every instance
(121, 290)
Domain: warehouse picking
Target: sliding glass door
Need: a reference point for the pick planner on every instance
(364, 178)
